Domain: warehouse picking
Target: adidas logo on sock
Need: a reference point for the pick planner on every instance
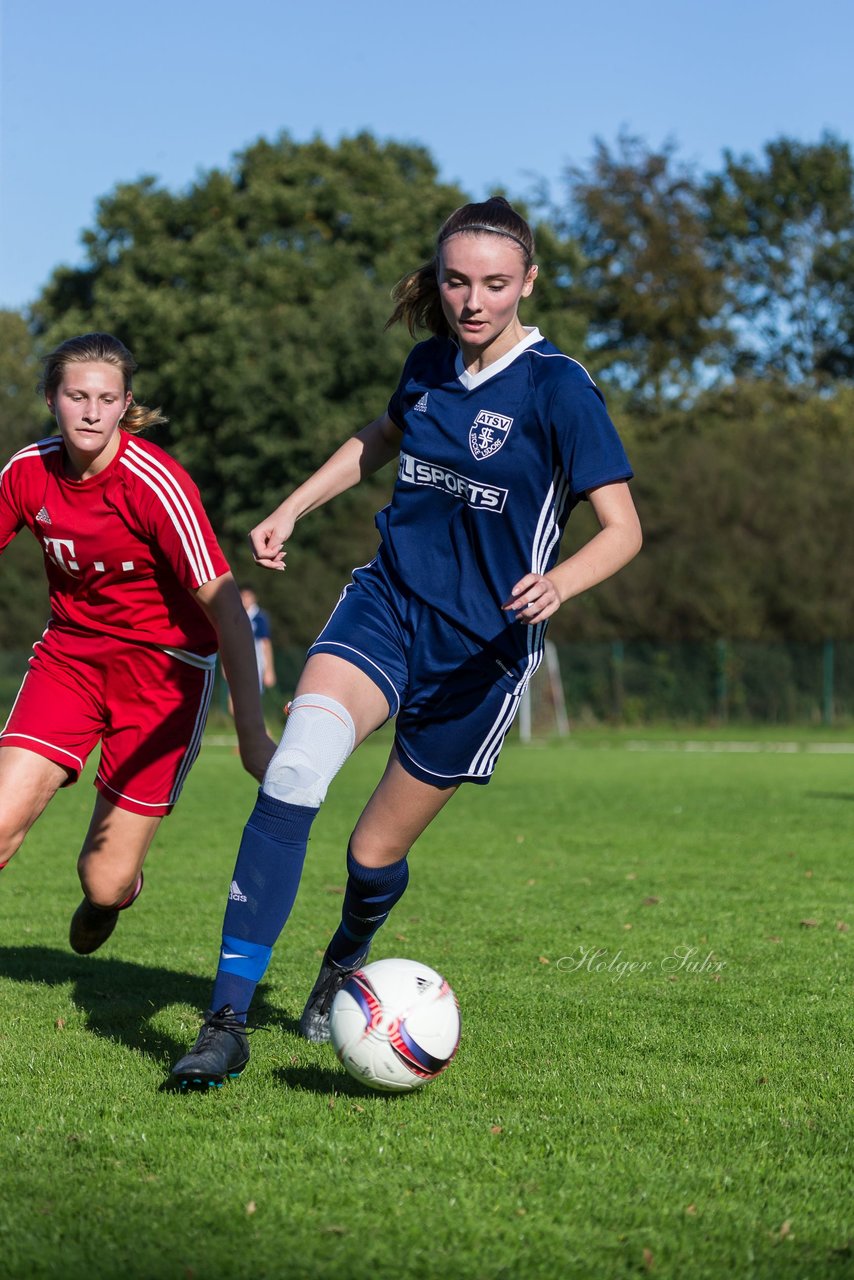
(421, 407)
(234, 893)
(43, 517)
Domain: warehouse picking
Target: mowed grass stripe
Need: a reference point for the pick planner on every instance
(652, 956)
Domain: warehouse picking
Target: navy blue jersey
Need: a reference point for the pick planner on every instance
(491, 464)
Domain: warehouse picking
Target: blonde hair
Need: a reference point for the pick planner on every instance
(416, 296)
(99, 348)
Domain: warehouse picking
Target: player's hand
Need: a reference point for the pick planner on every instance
(256, 753)
(269, 537)
(533, 599)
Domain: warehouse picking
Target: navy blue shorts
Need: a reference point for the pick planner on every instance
(454, 700)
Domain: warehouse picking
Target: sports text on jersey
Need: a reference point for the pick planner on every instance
(488, 433)
(485, 496)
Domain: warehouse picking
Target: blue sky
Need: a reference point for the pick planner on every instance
(501, 94)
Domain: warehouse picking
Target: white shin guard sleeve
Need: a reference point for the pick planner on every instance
(318, 738)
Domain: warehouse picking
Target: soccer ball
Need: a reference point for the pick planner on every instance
(395, 1024)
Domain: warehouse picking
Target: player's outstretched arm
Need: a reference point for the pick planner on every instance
(221, 601)
(360, 456)
(537, 596)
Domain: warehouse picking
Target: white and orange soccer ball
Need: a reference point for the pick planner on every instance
(395, 1024)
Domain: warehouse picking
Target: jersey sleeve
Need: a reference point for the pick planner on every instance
(396, 405)
(174, 517)
(587, 440)
(262, 626)
(11, 515)
(422, 359)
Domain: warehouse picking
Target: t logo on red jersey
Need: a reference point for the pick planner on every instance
(56, 549)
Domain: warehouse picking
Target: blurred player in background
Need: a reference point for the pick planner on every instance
(498, 435)
(263, 637)
(141, 598)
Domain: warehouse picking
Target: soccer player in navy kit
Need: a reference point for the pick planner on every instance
(141, 598)
(498, 435)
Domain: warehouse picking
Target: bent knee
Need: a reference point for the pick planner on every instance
(318, 738)
(11, 838)
(375, 853)
(109, 895)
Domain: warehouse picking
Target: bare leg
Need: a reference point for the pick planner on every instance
(109, 867)
(27, 784)
(113, 853)
(401, 808)
(335, 678)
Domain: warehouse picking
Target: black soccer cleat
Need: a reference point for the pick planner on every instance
(91, 926)
(221, 1050)
(314, 1022)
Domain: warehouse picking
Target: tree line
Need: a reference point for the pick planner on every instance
(716, 310)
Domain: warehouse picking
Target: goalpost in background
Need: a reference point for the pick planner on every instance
(542, 711)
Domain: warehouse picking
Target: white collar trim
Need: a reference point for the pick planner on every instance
(472, 380)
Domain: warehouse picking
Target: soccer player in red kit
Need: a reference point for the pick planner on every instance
(141, 599)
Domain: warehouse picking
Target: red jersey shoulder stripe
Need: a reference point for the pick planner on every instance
(36, 450)
(167, 489)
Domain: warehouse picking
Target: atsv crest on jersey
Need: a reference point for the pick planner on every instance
(488, 433)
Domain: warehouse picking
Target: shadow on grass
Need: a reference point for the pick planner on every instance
(119, 997)
(331, 1080)
(829, 795)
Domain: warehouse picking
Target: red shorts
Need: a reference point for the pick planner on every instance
(145, 706)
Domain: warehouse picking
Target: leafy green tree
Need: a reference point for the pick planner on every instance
(255, 302)
(646, 280)
(747, 529)
(782, 228)
(23, 418)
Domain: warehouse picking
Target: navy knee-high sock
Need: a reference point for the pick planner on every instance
(370, 895)
(263, 891)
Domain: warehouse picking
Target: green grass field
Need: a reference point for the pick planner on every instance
(652, 954)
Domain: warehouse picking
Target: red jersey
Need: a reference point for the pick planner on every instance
(123, 549)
